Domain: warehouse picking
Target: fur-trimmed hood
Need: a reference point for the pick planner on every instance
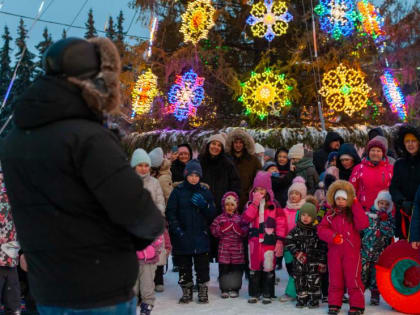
(341, 185)
(398, 138)
(244, 136)
(102, 93)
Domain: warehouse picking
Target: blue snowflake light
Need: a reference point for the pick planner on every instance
(269, 19)
(337, 17)
(186, 95)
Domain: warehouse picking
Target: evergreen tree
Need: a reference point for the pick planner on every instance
(64, 34)
(24, 73)
(42, 48)
(110, 31)
(90, 25)
(5, 69)
(120, 27)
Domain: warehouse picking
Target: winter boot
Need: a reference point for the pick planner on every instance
(254, 286)
(233, 294)
(300, 303)
(333, 309)
(313, 304)
(374, 297)
(252, 300)
(355, 311)
(145, 309)
(203, 293)
(159, 288)
(285, 298)
(268, 286)
(187, 293)
(224, 295)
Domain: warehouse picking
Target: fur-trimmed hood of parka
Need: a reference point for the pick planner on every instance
(398, 138)
(341, 185)
(244, 136)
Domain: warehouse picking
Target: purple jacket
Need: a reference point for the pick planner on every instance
(230, 231)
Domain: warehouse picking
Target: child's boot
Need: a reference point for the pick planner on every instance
(145, 309)
(356, 311)
(300, 303)
(203, 293)
(313, 304)
(254, 286)
(187, 293)
(224, 295)
(268, 287)
(374, 297)
(333, 309)
(233, 294)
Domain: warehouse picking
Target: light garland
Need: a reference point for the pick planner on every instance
(345, 90)
(197, 21)
(265, 93)
(186, 95)
(337, 17)
(269, 19)
(372, 22)
(393, 94)
(144, 93)
(153, 29)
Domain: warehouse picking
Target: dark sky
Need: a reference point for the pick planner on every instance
(64, 11)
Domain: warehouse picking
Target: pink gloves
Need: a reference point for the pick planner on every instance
(256, 198)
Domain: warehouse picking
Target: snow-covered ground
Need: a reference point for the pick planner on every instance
(167, 302)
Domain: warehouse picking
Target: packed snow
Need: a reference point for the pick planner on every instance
(167, 302)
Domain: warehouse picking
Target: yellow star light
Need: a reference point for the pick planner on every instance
(265, 93)
(144, 93)
(345, 90)
(197, 21)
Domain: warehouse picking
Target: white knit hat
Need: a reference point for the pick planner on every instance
(156, 157)
(296, 151)
(140, 156)
(259, 148)
(340, 193)
(219, 138)
(384, 195)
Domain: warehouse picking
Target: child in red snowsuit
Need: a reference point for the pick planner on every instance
(263, 214)
(340, 229)
(230, 231)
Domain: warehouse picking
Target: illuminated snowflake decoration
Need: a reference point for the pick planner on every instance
(269, 19)
(337, 17)
(265, 93)
(393, 94)
(144, 93)
(345, 90)
(186, 95)
(372, 22)
(197, 21)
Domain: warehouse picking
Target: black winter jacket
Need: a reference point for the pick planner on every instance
(321, 156)
(347, 148)
(189, 225)
(77, 204)
(177, 171)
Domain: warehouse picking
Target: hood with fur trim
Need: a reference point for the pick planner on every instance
(398, 138)
(249, 143)
(102, 93)
(341, 185)
(384, 195)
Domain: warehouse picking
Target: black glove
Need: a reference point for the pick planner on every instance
(407, 207)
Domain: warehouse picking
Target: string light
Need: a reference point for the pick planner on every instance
(393, 94)
(153, 29)
(186, 95)
(269, 19)
(372, 22)
(337, 17)
(197, 21)
(265, 93)
(144, 93)
(345, 90)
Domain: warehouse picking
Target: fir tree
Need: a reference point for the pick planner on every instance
(25, 71)
(120, 27)
(42, 48)
(90, 25)
(110, 31)
(5, 69)
(64, 34)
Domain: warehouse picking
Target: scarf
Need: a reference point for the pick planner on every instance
(295, 205)
(261, 218)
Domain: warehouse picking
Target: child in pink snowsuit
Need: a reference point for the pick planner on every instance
(230, 231)
(340, 228)
(263, 215)
(296, 199)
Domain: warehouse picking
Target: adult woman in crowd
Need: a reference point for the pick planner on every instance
(220, 174)
(373, 174)
(286, 172)
(406, 177)
(347, 159)
(184, 155)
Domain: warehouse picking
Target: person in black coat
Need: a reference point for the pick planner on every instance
(80, 210)
(220, 174)
(333, 141)
(190, 211)
(347, 159)
(286, 173)
(185, 154)
(406, 177)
